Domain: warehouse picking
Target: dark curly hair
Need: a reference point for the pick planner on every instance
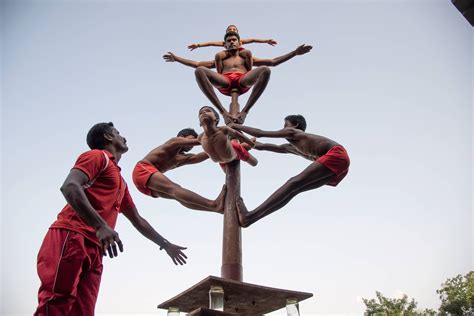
(215, 112)
(95, 136)
(231, 34)
(297, 120)
(186, 132)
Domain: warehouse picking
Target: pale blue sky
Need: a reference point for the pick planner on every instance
(390, 80)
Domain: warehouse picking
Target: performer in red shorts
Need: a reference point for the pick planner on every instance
(233, 28)
(216, 140)
(330, 166)
(234, 83)
(234, 61)
(70, 258)
(149, 177)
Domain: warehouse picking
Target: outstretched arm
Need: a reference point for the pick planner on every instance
(238, 135)
(189, 159)
(256, 40)
(271, 147)
(170, 57)
(300, 50)
(182, 142)
(243, 41)
(283, 133)
(194, 46)
(142, 225)
(281, 149)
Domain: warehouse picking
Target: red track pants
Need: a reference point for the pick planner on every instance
(70, 268)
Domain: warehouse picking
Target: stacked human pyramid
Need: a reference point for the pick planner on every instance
(237, 71)
(70, 258)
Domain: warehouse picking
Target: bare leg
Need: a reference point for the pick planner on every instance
(206, 79)
(258, 78)
(164, 187)
(252, 160)
(312, 177)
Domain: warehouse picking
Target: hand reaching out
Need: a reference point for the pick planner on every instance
(271, 42)
(169, 57)
(175, 253)
(303, 49)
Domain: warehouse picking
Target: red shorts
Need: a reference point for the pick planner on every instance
(234, 83)
(141, 174)
(242, 153)
(69, 267)
(336, 160)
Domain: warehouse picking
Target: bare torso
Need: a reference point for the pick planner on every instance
(310, 145)
(165, 157)
(217, 145)
(234, 63)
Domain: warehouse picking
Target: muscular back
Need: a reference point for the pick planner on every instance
(310, 144)
(167, 156)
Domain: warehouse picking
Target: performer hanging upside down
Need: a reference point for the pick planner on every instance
(216, 140)
(233, 28)
(149, 177)
(234, 72)
(330, 165)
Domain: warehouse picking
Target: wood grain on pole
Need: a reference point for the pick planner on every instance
(232, 240)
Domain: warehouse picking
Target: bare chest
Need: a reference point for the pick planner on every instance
(217, 147)
(233, 63)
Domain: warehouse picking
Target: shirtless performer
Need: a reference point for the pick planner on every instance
(233, 28)
(234, 72)
(330, 165)
(216, 142)
(244, 53)
(149, 177)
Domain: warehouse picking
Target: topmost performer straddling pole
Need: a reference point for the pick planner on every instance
(234, 71)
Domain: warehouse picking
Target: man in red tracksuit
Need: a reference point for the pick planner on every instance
(70, 259)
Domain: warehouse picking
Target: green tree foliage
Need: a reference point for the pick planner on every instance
(384, 306)
(389, 306)
(457, 295)
(429, 312)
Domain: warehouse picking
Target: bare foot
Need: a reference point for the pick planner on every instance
(221, 200)
(242, 212)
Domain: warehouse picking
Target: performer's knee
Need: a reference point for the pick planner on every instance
(200, 72)
(294, 183)
(265, 71)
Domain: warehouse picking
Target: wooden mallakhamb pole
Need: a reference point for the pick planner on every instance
(232, 240)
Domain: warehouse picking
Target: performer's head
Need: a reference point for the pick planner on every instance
(104, 135)
(232, 28)
(188, 133)
(296, 121)
(231, 41)
(208, 115)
